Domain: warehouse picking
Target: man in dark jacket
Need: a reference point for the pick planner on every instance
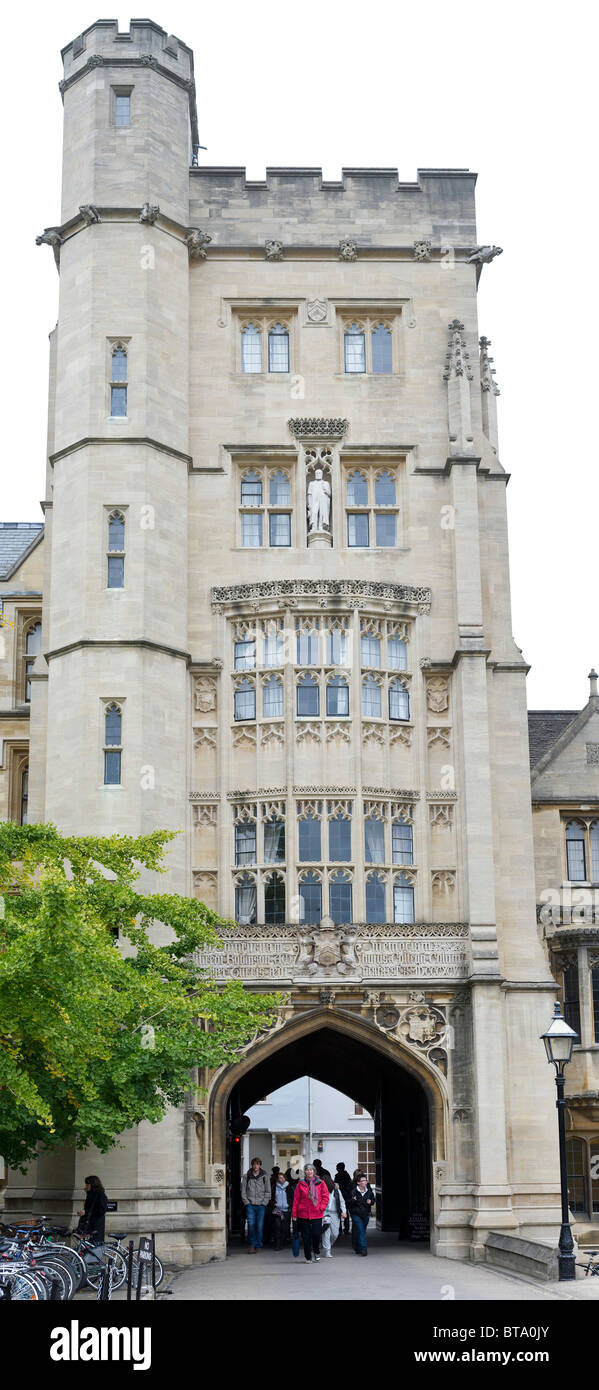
(255, 1195)
(361, 1202)
(344, 1182)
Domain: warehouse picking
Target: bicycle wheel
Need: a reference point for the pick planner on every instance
(70, 1257)
(96, 1264)
(158, 1272)
(26, 1287)
(60, 1269)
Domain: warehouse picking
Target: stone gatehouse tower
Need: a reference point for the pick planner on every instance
(277, 619)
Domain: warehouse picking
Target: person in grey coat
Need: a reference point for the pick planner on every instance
(255, 1195)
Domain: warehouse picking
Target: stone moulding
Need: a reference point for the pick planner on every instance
(355, 953)
(313, 427)
(224, 595)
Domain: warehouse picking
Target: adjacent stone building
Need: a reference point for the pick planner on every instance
(277, 619)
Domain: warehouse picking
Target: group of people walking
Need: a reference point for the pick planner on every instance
(313, 1208)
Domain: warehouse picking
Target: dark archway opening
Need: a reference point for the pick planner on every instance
(391, 1094)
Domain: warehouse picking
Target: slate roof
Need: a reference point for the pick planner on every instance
(545, 727)
(16, 538)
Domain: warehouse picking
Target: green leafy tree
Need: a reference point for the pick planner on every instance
(98, 1034)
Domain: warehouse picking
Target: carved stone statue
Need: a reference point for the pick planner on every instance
(319, 503)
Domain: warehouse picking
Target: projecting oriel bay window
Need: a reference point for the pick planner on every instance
(399, 701)
(339, 839)
(374, 840)
(375, 899)
(245, 843)
(245, 901)
(273, 698)
(274, 842)
(244, 701)
(309, 838)
(337, 692)
(245, 655)
(308, 697)
(371, 698)
(402, 842)
(310, 895)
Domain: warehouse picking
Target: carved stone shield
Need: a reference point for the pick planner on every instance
(317, 310)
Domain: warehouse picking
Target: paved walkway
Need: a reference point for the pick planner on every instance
(391, 1271)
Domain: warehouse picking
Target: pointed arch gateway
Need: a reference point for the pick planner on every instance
(406, 1094)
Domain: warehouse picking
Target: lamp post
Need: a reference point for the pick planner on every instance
(559, 1040)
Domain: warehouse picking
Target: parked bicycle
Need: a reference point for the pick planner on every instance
(114, 1239)
(592, 1264)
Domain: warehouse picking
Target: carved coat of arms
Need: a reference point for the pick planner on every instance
(317, 310)
(205, 695)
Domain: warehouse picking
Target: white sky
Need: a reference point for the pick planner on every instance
(505, 89)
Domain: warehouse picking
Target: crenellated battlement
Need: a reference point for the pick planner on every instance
(144, 39)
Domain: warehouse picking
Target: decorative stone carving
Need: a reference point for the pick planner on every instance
(425, 663)
(353, 589)
(443, 881)
(482, 255)
(272, 734)
(204, 796)
(149, 213)
(95, 61)
(422, 249)
(347, 250)
(437, 694)
(308, 733)
(317, 310)
(273, 250)
(89, 213)
(205, 814)
(438, 733)
(327, 996)
(487, 370)
(49, 237)
(400, 735)
(440, 813)
(435, 951)
(204, 692)
(324, 791)
(398, 794)
(204, 738)
(244, 737)
(204, 884)
(373, 733)
(457, 359)
(196, 242)
(338, 731)
(317, 427)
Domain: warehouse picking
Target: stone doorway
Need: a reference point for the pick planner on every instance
(349, 1055)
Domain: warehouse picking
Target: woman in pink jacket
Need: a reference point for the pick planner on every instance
(310, 1200)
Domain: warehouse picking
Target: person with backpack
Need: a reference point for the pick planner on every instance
(255, 1195)
(310, 1201)
(336, 1211)
(361, 1202)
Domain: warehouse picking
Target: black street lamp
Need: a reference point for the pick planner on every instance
(559, 1041)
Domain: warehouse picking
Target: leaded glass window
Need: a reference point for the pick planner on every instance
(403, 902)
(118, 384)
(371, 698)
(307, 648)
(251, 529)
(310, 892)
(245, 901)
(274, 842)
(386, 528)
(374, 840)
(272, 699)
(355, 348)
(402, 843)
(358, 531)
(245, 655)
(251, 348)
(309, 839)
(339, 840)
(278, 489)
(279, 528)
(245, 843)
(122, 108)
(397, 654)
(338, 697)
(251, 490)
(384, 490)
(245, 701)
(370, 650)
(357, 490)
(399, 701)
(336, 640)
(382, 349)
(340, 899)
(575, 851)
(274, 900)
(278, 348)
(375, 899)
(112, 746)
(595, 851)
(570, 987)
